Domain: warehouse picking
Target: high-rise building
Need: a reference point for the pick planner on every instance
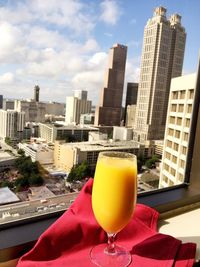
(1, 101)
(8, 104)
(131, 94)
(108, 112)
(130, 104)
(11, 122)
(36, 93)
(162, 59)
(77, 105)
(178, 130)
(80, 94)
(34, 111)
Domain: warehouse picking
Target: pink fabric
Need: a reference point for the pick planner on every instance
(69, 240)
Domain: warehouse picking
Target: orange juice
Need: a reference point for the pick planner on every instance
(114, 192)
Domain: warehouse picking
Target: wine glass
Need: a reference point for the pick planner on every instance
(114, 196)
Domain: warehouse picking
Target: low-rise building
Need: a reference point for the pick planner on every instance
(87, 118)
(66, 155)
(40, 192)
(122, 133)
(52, 132)
(7, 161)
(7, 196)
(38, 152)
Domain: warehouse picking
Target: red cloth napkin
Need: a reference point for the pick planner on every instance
(69, 240)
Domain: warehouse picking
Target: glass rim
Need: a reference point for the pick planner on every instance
(117, 154)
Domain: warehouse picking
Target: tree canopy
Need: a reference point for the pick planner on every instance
(78, 172)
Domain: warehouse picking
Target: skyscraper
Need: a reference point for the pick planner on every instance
(108, 112)
(77, 105)
(162, 59)
(1, 101)
(11, 122)
(36, 93)
(130, 104)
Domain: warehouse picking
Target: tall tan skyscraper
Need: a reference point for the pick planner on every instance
(162, 59)
(109, 110)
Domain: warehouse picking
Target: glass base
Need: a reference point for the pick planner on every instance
(99, 256)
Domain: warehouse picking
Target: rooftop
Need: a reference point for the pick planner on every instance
(69, 127)
(5, 156)
(40, 192)
(103, 145)
(7, 196)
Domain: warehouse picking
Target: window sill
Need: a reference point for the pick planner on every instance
(17, 239)
(179, 227)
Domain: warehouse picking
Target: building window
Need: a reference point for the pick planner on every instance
(169, 143)
(182, 94)
(179, 121)
(177, 134)
(171, 119)
(174, 95)
(184, 150)
(187, 122)
(191, 94)
(176, 146)
(182, 164)
(173, 107)
(174, 159)
(170, 132)
(180, 107)
(189, 108)
(173, 172)
(185, 136)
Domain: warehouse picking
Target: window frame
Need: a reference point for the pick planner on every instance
(17, 238)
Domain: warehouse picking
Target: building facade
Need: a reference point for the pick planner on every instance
(76, 153)
(177, 133)
(108, 112)
(1, 101)
(122, 133)
(10, 123)
(131, 100)
(130, 116)
(8, 104)
(51, 132)
(87, 119)
(38, 152)
(36, 93)
(77, 105)
(162, 59)
(34, 111)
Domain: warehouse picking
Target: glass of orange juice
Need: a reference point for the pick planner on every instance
(114, 196)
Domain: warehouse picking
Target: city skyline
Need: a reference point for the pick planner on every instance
(48, 44)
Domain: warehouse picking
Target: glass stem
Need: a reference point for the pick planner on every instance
(111, 245)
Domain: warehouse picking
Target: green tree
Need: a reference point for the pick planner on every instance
(21, 152)
(22, 181)
(78, 172)
(35, 179)
(6, 183)
(150, 163)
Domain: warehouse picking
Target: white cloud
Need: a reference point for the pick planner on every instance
(91, 45)
(67, 13)
(11, 44)
(53, 44)
(110, 12)
(6, 78)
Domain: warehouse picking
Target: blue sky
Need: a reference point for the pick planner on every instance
(63, 44)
